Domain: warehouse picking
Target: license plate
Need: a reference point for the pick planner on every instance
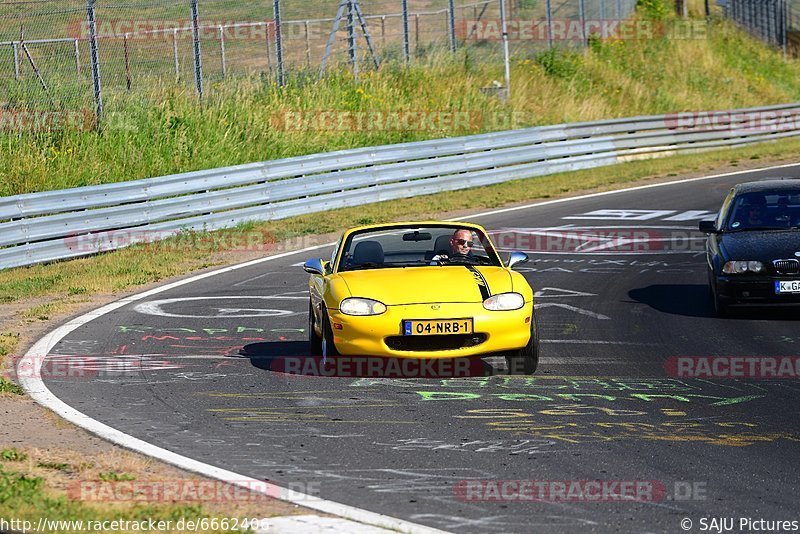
(791, 286)
(439, 327)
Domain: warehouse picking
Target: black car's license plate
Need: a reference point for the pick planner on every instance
(437, 327)
(788, 286)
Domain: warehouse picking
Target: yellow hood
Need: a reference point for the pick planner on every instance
(424, 285)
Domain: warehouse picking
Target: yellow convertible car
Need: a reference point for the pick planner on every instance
(421, 290)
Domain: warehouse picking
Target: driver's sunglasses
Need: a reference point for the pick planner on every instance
(462, 242)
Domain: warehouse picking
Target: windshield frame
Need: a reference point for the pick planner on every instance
(483, 238)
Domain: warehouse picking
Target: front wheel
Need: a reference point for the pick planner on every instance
(525, 360)
(328, 347)
(721, 308)
(313, 339)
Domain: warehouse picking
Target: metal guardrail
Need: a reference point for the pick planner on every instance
(54, 225)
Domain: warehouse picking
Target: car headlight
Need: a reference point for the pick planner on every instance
(739, 267)
(359, 306)
(504, 301)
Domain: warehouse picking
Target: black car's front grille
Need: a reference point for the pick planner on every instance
(433, 343)
(787, 266)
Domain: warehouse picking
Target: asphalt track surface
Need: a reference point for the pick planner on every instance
(194, 375)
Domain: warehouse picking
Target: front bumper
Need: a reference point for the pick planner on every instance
(754, 290)
(377, 335)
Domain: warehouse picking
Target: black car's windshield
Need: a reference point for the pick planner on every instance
(776, 210)
(393, 248)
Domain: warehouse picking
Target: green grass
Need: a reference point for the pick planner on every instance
(23, 496)
(12, 455)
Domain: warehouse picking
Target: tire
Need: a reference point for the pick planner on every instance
(328, 347)
(721, 308)
(314, 340)
(525, 360)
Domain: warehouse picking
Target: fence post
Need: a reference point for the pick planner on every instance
(416, 33)
(406, 37)
(351, 37)
(223, 64)
(451, 22)
(549, 15)
(383, 31)
(77, 58)
(276, 11)
(15, 49)
(128, 81)
(198, 62)
(506, 59)
(308, 46)
(269, 50)
(619, 10)
(602, 9)
(95, 58)
(175, 53)
(582, 16)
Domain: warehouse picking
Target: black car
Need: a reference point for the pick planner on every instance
(753, 247)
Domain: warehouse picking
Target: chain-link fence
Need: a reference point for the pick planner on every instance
(80, 54)
(770, 20)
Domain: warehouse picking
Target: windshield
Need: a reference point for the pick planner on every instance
(765, 211)
(417, 247)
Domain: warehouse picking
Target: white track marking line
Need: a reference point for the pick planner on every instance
(36, 388)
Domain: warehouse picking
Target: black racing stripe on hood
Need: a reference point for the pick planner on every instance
(481, 281)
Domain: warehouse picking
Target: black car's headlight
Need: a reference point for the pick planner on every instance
(359, 306)
(740, 267)
(504, 302)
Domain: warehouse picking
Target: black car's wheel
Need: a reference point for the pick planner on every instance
(525, 360)
(313, 339)
(328, 347)
(720, 305)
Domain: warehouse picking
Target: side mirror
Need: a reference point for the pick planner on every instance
(708, 227)
(517, 258)
(314, 267)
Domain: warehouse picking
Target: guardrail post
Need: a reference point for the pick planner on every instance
(451, 23)
(198, 61)
(276, 11)
(406, 37)
(95, 58)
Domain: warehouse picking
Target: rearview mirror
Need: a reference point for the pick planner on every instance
(314, 266)
(708, 227)
(517, 258)
(416, 235)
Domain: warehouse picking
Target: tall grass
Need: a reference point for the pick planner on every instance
(164, 129)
